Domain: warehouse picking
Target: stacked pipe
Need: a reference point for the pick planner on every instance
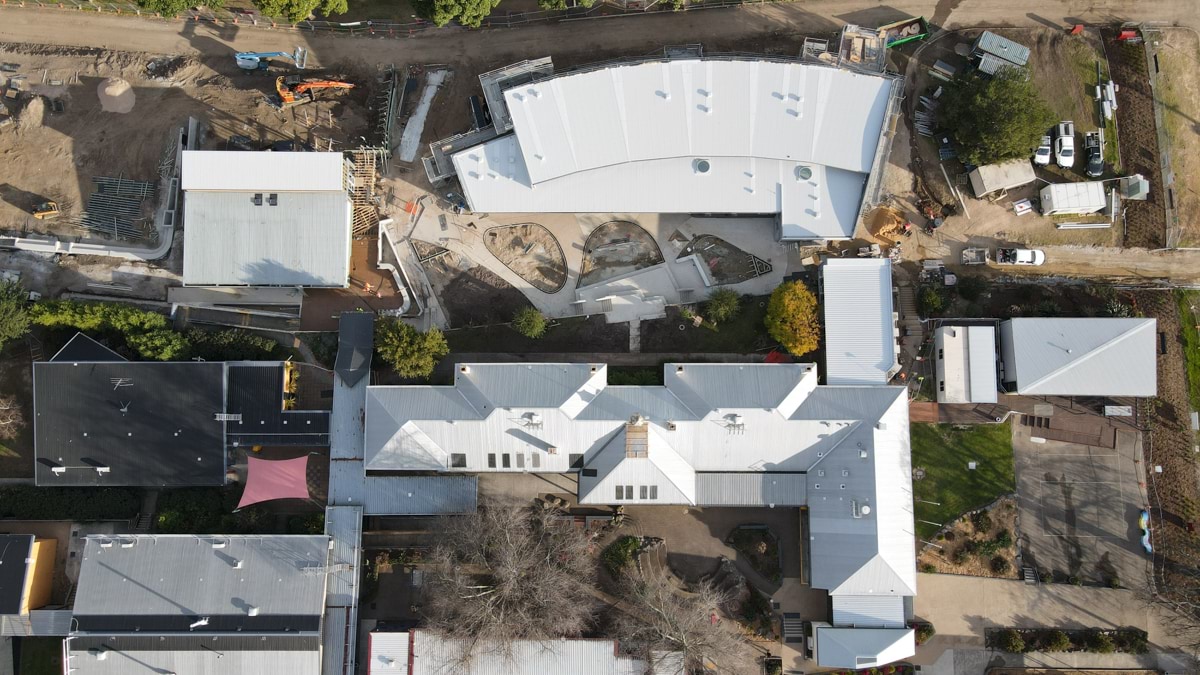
(115, 208)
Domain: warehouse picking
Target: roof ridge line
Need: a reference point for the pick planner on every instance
(1102, 347)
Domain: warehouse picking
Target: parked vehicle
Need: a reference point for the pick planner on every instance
(1041, 156)
(1094, 153)
(1020, 256)
(1064, 144)
(974, 256)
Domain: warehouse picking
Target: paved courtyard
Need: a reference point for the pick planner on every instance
(1079, 507)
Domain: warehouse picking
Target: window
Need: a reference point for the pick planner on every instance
(628, 492)
(941, 385)
(520, 460)
(620, 492)
(537, 460)
(653, 492)
(939, 355)
(458, 460)
(506, 459)
(491, 460)
(642, 492)
(576, 460)
(590, 473)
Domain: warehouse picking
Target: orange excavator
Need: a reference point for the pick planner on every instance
(289, 87)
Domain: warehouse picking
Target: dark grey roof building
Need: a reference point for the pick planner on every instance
(257, 414)
(129, 423)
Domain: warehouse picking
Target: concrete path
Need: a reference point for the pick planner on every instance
(962, 608)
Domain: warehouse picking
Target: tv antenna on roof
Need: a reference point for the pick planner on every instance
(125, 407)
(119, 382)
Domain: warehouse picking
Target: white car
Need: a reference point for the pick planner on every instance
(1064, 144)
(1041, 156)
(1020, 256)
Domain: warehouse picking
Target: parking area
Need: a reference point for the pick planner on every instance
(1079, 507)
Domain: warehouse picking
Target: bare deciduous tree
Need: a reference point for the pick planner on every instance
(11, 418)
(661, 620)
(510, 572)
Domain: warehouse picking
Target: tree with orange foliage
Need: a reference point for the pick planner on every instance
(792, 318)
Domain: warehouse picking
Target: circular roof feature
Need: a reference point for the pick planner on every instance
(803, 172)
(701, 165)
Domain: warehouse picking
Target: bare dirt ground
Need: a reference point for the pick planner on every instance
(530, 251)
(471, 294)
(1145, 220)
(1179, 89)
(727, 263)
(55, 156)
(615, 248)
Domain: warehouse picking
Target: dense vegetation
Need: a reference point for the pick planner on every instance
(792, 318)
(26, 502)
(995, 118)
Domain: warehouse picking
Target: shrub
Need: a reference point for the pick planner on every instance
(409, 351)
(147, 333)
(1010, 641)
(982, 521)
(1074, 580)
(1004, 539)
(961, 554)
(1114, 582)
(26, 502)
(14, 312)
(970, 288)
(232, 344)
(1131, 641)
(792, 318)
(529, 322)
(619, 554)
(1056, 641)
(1046, 577)
(931, 301)
(1101, 643)
(723, 304)
(987, 548)
(924, 631)
(1000, 565)
(1115, 308)
(313, 523)
(929, 568)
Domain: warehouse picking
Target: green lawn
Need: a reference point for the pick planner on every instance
(1191, 342)
(40, 656)
(943, 451)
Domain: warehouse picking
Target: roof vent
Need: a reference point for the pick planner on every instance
(239, 564)
(252, 611)
(803, 172)
(882, 426)
(866, 510)
(702, 166)
(862, 454)
(100, 653)
(202, 621)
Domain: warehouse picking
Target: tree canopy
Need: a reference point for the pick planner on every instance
(14, 312)
(147, 333)
(469, 13)
(996, 118)
(296, 10)
(409, 351)
(792, 318)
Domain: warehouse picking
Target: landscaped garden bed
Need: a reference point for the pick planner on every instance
(979, 544)
(760, 548)
(1021, 640)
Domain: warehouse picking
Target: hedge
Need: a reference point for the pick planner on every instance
(1125, 640)
(26, 502)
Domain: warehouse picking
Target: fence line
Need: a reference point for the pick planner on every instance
(371, 27)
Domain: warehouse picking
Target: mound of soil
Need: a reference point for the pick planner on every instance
(116, 95)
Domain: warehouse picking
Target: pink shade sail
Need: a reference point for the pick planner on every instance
(275, 479)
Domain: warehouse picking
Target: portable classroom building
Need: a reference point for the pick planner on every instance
(1073, 198)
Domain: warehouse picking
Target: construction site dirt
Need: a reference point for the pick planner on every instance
(118, 112)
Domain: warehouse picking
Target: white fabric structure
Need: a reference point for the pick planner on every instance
(1079, 357)
(703, 435)
(265, 219)
(746, 136)
(860, 329)
(966, 364)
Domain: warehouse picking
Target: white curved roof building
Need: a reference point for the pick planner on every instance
(729, 136)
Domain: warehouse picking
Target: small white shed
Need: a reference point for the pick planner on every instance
(1004, 176)
(1073, 198)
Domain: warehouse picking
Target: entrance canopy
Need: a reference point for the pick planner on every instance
(275, 479)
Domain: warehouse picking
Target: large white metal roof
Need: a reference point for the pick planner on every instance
(857, 648)
(302, 240)
(434, 655)
(262, 171)
(860, 341)
(688, 136)
(1080, 357)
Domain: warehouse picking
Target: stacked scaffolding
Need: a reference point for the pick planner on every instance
(115, 209)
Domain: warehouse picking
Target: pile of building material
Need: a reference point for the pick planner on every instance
(925, 116)
(115, 209)
(1106, 95)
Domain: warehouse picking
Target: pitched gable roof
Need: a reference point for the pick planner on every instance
(662, 467)
(1081, 357)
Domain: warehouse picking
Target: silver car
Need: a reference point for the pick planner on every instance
(1064, 144)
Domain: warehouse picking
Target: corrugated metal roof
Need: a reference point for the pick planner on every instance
(193, 655)
(868, 611)
(262, 171)
(824, 205)
(863, 647)
(966, 364)
(356, 339)
(991, 43)
(750, 489)
(991, 64)
(401, 495)
(1082, 357)
(1004, 176)
(346, 419)
(1080, 197)
(14, 565)
(343, 524)
(860, 342)
(38, 623)
(164, 582)
(337, 642)
(302, 241)
(388, 653)
(433, 655)
(671, 476)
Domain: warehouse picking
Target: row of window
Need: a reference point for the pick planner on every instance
(459, 460)
(644, 492)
